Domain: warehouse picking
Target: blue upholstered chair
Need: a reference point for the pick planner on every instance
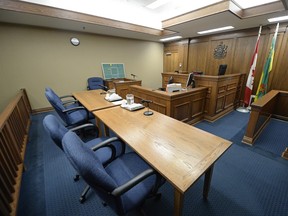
(70, 111)
(123, 184)
(96, 83)
(57, 130)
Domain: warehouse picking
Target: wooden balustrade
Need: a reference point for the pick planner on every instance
(14, 125)
(273, 104)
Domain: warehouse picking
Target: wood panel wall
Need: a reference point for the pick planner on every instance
(241, 45)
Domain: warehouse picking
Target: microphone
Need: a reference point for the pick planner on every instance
(146, 101)
(105, 88)
(133, 75)
(148, 112)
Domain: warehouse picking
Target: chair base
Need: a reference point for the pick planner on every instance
(84, 193)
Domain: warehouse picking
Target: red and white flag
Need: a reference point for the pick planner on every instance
(250, 79)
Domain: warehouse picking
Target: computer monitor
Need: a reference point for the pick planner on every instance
(170, 81)
(222, 69)
(190, 80)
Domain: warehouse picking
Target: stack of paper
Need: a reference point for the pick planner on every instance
(113, 97)
(132, 107)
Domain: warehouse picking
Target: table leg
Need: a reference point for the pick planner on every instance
(178, 202)
(103, 129)
(207, 181)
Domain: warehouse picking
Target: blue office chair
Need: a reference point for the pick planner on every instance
(70, 111)
(123, 184)
(96, 83)
(56, 131)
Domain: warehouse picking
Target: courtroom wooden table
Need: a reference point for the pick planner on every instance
(94, 100)
(180, 152)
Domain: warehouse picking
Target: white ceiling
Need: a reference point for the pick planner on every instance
(188, 28)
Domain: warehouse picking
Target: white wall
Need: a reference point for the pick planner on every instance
(34, 58)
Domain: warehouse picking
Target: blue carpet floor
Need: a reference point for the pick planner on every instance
(245, 180)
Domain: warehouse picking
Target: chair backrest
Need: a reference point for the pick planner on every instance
(56, 103)
(55, 129)
(86, 163)
(95, 83)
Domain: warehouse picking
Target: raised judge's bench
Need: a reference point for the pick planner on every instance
(121, 85)
(222, 95)
(186, 105)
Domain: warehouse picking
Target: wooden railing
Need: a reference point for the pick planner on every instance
(14, 127)
(273, 104)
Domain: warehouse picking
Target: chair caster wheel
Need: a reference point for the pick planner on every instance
(76, 178)
(104, 204)
(82, 199)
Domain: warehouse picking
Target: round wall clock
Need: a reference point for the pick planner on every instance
(74, 41)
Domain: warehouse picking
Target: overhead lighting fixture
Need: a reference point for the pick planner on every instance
(215, 30)
(170, 38)
(276, 19)
(157, 4)
(252, 3)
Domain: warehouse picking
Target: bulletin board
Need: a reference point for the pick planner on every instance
(113, 70)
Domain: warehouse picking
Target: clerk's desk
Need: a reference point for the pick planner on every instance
(223, 94)
(180, 152)
(186, 105)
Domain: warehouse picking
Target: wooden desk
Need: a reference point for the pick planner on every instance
(93, 100)
(187, 105)
(223, 95)
(121, 85)
(180, 152)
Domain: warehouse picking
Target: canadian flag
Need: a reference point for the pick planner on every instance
(250, 79)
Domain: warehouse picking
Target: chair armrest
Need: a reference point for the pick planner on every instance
(69, 102)
(82, 126)
(104, 143)
(131, 183)
(107, 143)
(74, 109)
(67, 96)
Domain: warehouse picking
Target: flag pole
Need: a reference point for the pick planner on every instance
(250, 78)
(263, 83)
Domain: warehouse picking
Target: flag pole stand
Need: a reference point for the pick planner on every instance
(243, 109)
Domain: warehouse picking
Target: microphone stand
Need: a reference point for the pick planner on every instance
(148, 112)
(133, 75)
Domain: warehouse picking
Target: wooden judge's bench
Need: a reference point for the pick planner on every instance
(121, 85)
(223, 94)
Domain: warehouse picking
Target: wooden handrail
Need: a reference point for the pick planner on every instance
(14, 128)
(274, 103)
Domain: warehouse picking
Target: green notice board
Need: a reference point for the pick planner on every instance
(113, 71)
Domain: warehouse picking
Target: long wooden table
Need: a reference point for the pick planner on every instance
(179, 152)
(94, 100)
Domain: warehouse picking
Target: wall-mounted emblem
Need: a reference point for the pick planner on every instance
(220, 51)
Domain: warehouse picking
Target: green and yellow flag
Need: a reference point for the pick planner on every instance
(263, 83)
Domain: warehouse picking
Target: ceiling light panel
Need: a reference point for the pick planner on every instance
(252, 3)
(215, 30)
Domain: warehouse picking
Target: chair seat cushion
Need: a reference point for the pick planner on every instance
(123, 169)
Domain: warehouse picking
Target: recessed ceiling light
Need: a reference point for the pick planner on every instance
(215, 30)
(252, 3)
(170, 38)
(157, 4)
(276, 19)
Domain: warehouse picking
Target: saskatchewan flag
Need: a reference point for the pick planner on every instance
(263, 83)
